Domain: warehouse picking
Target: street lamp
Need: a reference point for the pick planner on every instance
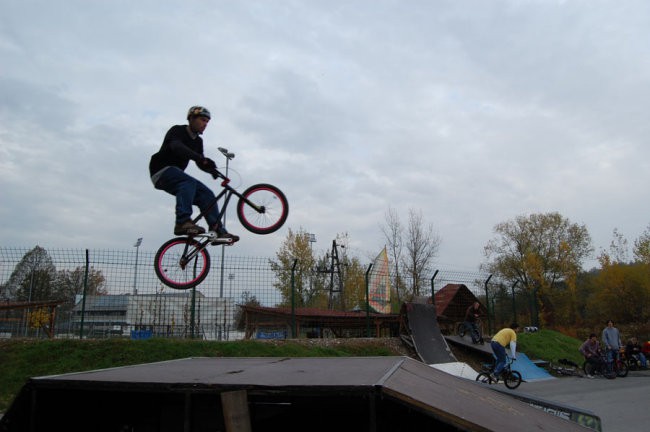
(229, 156)
(137, 244)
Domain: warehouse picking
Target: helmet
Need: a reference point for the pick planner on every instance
(198, 111)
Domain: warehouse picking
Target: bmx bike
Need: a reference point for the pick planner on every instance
(465, 327)
(606, 368)
(184, 262)
(511, 378)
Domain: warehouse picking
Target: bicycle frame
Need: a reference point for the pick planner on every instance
(227, 192)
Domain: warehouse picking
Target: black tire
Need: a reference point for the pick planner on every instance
(621, 369)
(512, 379)
(461, 330)
(589, 368)
(173, 272)
(484, 378)
(262, 209)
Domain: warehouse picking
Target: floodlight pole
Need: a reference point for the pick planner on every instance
(228, 155)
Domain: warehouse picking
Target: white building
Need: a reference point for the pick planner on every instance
(159, 315)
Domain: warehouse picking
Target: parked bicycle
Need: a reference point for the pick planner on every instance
(184, 262)
(465, 327)
(605, 368)
(511, 378)
(632, 361)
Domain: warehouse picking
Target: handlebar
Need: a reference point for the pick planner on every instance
(216, 174)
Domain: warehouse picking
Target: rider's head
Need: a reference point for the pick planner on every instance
(198, 118)
(514, 326)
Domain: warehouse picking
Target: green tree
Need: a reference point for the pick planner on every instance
(642, 247)
(296, 249)
(622, 289)
(70, 283)
(540, 251)
(32, 278)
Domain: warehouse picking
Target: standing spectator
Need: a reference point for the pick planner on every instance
(633, 351)
(590, 349)
(612, 343)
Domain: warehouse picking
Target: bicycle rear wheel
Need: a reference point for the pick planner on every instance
(182, 263)
(461, 330)
(512, 379)
(262, 209)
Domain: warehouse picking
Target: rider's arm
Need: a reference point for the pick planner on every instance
(513, 349)
(179, 149)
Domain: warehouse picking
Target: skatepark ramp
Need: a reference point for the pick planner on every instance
(378, 394)
(422, 325)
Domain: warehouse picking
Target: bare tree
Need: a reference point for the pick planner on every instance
(422, 245)
(393, 232)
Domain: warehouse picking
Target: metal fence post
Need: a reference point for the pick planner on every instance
(368, 301)
(293, 298)
(433, 291)
(487, 304)
(83, 297)
(514, 303)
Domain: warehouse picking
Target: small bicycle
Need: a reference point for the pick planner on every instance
(184, 262)
(511, 378)
(464, 327)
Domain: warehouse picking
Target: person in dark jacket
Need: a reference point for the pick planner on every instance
(633, 351)
(181, 144)
(590, 349)
(472, 316)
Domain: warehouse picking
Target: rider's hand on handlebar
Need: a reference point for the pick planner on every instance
(207, 164)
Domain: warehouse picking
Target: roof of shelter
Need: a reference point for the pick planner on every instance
(452, 301)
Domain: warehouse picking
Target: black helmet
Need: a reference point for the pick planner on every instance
(198, 111)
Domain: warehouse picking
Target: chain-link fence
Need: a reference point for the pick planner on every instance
(103, 293)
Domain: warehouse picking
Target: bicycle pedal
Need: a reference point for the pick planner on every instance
(222, 241)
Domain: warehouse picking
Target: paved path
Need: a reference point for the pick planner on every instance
(621, 403)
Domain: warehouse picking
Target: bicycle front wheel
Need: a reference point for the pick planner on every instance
(262, 209)
(621, 369)
(512, 379)
(182, 263)
(484, 377)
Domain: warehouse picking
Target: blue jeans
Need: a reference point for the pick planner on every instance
(188, 191)
(500, 354)
(612, 355)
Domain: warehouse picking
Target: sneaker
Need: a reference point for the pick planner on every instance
(494, 377)
(188, 228)
(589, 376)
(223, 237)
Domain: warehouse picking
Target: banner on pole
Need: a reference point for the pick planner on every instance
(379, 284)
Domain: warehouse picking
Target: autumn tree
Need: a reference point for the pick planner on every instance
(542, 252)
(70, 283)
(32, 278)
(621, 288)
(642, 247)
(295, 249)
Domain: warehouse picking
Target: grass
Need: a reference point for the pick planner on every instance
(22, 359)
(549, 345)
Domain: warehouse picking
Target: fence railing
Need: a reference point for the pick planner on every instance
(105, 293)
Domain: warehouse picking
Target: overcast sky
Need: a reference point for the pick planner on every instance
(472, 112)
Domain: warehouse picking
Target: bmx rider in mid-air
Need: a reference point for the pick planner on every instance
(181, 144)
